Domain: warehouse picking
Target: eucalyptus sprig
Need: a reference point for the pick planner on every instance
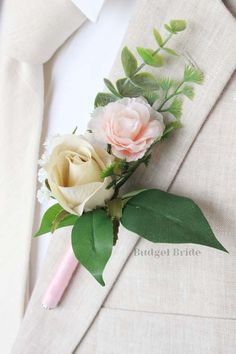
(137, 83)
(165, 94)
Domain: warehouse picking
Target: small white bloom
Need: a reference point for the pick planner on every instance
(43, 194)
(44, 159)
(42, 175)
(48, 144)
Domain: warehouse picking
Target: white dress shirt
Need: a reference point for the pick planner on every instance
(74, 77)
(90, 9)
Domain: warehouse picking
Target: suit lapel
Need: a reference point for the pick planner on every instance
(212, 45)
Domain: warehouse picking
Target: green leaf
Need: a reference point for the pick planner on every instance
(47, 184)
(102, 99)
(166, 218)
(126, 197)
(192, 74)
(178, 25)
(60, 216)
(150, 58)
(188, 91)
(74, 131)
(170, 127)
(49, 218)
(166, 83)
(129, 62)
(176, 108)
(127, 89)
(151, 96)
(109, 171)
(168, 28)
(170, 51)
(92, 241)
(158, 37)
(146, 81)
(111, 87)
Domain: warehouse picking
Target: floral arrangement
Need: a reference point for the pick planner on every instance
(84, 174)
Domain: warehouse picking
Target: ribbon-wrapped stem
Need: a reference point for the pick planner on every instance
(60, 281)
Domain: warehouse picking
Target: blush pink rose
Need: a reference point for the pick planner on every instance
(129, 125)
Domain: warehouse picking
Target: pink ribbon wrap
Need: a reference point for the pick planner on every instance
(60, 281)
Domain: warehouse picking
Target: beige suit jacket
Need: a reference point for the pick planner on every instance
(171, 304)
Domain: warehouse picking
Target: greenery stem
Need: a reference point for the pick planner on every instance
(134, 167)
(141, 66)
(129, 173)
(175, 93)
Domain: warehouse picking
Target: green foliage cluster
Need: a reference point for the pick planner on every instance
(157, 216)
(163, 93)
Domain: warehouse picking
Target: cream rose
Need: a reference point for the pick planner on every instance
(129, 125)
(74, 174)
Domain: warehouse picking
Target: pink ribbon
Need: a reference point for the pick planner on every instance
(60, 281)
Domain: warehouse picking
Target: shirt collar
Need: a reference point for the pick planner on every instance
(91, 9)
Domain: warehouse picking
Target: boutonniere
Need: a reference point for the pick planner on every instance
(84, 174)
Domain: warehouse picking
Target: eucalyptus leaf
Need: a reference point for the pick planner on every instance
(170, 51)
(92, 241)
(178, 25)
(146, 81)
(168, 28)
(111, 87)
(150, 57)
(151, 96)
(127, 89)
(166, 218)
(50, 217)
(102, 99)
(129, 62)
(158, 37)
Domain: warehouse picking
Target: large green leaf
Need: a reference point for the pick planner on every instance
(92, 241)
(52, 215)
(166, 218)
(129, 62)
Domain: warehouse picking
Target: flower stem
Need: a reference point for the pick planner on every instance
(133, 168)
